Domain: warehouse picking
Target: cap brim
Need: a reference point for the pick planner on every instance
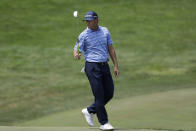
(88, 18)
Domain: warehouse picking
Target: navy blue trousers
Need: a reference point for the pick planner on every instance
(102, 87)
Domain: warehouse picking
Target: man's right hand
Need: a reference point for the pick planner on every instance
(76, 55)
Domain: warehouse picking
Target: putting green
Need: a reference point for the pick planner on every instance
(64, 129)
(165, 110)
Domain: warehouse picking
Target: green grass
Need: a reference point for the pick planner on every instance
(154, 41)
(166, 110)
(62, 129)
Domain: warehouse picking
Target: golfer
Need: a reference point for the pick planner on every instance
(96, 43)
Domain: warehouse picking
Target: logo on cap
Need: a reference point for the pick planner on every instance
(91, 15)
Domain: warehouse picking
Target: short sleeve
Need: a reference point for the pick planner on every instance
(109, 39)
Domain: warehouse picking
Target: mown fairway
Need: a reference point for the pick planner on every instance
(62, 129)
(155, 43)
(167, 110)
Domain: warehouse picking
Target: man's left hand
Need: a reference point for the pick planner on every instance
(116, 71)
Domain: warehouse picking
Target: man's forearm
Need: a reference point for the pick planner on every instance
(113, 55)
(114, 60)
(74, 53)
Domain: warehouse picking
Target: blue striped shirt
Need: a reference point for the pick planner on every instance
(94, 44)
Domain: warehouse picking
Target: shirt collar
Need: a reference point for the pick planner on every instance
(90, 30)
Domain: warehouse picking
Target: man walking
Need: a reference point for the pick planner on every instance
(96, 43)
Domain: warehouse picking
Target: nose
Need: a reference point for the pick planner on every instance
(88, 22)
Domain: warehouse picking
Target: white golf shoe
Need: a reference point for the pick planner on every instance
(88, 117)
(107, 127)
